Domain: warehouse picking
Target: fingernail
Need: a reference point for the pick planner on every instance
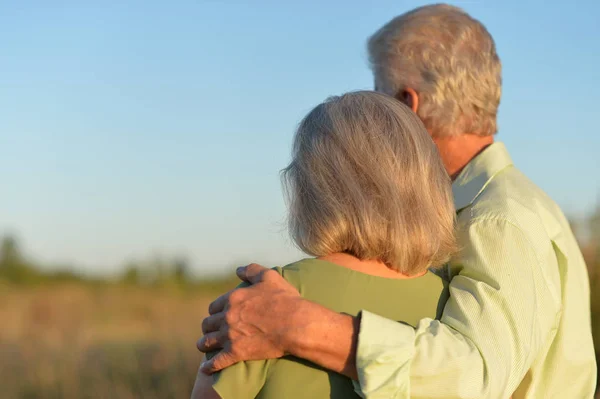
(239, 269)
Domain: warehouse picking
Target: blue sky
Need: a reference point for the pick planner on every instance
(129, 130)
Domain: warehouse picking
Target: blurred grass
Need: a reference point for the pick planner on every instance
(75, 340)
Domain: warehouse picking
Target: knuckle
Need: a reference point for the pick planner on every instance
(227, 334)
(254, 266)
(270, 273)
(222, 361)
(234, 351)
(255, 269)
(236, 297)
(229, 318)
(223, 338)
(203, 343)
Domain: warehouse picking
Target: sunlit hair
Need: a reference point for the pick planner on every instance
(449, 59)
(366, 179)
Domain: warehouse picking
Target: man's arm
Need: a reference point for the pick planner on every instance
(270, 319)
(501, 311)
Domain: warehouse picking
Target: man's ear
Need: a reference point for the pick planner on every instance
(409, 97)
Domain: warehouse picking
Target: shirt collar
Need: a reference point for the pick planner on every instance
(478, 173)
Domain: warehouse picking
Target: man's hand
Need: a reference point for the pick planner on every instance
(269, 319)
(251, 323)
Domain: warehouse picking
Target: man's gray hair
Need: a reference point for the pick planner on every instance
(449, 59)
(366, 179)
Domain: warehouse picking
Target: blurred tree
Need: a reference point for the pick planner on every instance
(181, 270)
(157, 268)
(131, 274)
(13, 265)
(9, 252)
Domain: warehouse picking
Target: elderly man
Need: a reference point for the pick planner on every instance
(518, 320)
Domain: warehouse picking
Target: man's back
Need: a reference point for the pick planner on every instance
(501, 209)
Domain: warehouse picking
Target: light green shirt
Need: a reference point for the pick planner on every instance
(518, 318)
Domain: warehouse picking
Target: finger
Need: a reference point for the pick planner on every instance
(253, 273)
(217, 363)
(209, 342)
(213, 322)
(218, 305)
(241, 273)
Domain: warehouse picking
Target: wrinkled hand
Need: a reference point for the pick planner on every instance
(252, 323)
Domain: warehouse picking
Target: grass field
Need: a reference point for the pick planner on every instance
(107, 341)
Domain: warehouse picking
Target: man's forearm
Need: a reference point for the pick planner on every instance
(270, 319)
(324, 337)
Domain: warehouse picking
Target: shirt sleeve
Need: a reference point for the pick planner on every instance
(503, 308)
(241, 380)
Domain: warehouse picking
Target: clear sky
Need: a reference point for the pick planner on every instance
(128, 130)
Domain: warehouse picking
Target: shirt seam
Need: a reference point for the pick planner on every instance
(497, 218)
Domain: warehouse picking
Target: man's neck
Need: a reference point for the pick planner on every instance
(458, 151)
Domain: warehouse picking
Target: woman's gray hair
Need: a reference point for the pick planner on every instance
(366, 179)
(449, 59)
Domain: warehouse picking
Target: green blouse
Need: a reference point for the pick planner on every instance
(345, 291)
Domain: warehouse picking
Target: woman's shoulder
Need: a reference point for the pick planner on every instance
(349, 291)
(309, 267)
(299, 266)
(296, 273)
(318, 269)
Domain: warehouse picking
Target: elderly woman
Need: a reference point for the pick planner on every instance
(370, 199)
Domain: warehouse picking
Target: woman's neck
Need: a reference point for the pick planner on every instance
(372, 267)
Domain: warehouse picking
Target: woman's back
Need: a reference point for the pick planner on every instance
(343, 290)
(365, 184)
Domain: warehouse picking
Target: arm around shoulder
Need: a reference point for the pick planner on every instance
(500, 313)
